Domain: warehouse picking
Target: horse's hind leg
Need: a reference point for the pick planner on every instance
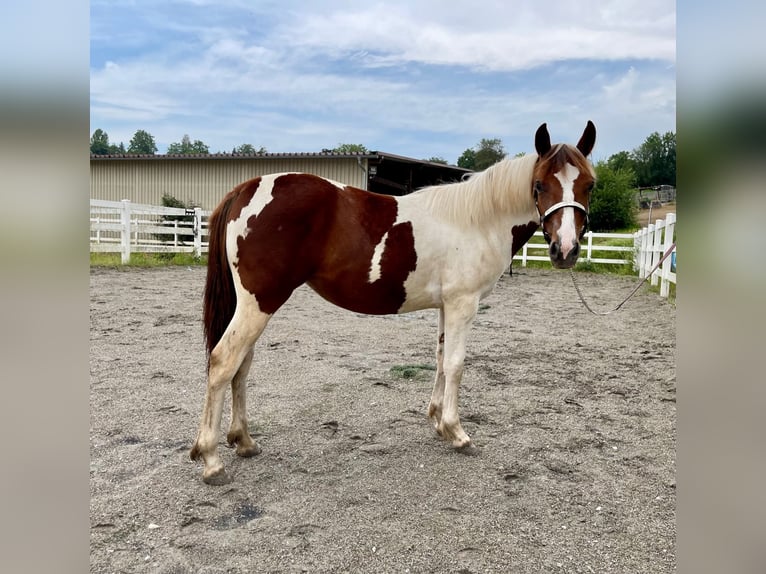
(238, 433)
(226, 361)
(437, 395)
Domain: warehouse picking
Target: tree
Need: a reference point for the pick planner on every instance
(142, 142)
(612, 204)
(349, 148)
(186, 147)
(468, 159)
(248, 149)
(621, 160)
(488, 152)
(655, 160)
(99, 143)
(437, 159)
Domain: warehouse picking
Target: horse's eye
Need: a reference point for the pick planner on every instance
(591, 186)
(538, 186)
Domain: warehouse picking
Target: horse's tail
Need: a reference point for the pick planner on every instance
(220, 299)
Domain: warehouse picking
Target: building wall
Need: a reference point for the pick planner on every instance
(204, 182)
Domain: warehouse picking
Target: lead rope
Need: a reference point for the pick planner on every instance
(657, 266)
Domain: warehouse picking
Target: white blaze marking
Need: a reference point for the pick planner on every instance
(377, 255)
(567, 232)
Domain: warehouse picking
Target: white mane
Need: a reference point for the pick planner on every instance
(501, 189)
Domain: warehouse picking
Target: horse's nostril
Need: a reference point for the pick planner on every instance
(554, 250)
(575, 250)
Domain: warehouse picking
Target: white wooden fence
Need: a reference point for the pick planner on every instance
(124, 227)
(589, 248)
(652, 242)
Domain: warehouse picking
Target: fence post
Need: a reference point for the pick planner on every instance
(665, 282)
(656, 250)
(646, 255)
(637, 251)
(524, 256)
(590, 245)
(197, 232)
(125, 231)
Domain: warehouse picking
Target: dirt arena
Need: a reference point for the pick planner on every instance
(574, 416)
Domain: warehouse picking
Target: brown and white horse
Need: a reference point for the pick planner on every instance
(441, 247)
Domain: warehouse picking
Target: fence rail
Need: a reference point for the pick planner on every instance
(124, 227)
(588, 246)
(652, 242)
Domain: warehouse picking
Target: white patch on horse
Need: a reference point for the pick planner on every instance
(567, 232)
(261, 199)
(377, 255)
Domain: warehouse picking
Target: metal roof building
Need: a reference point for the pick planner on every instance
(202, 180)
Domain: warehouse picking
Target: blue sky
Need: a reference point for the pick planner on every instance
(418, 78)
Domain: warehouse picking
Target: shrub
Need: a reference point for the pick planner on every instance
(612, 205)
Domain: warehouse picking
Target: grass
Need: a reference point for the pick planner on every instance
(410, 371)
(113, 260)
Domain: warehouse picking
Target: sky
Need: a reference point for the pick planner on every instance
(419, 78)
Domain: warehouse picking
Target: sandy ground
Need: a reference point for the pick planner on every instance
(574, 416)
(643, 218)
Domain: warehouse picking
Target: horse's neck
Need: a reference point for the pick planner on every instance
(500, 195)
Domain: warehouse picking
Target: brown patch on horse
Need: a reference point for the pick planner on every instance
(553, 162)
(313, 232)
(522, 234)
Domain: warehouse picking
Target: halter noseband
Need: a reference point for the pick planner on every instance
(555, 207)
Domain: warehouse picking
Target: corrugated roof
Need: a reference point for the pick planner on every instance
(278, 155)
(287, 155)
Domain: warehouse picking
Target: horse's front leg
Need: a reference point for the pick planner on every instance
(437, 395)
(458, 316)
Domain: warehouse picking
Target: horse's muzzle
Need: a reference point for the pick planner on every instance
(561, 260)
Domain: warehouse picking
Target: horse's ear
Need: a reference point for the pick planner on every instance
(542, 140)
(588, 139)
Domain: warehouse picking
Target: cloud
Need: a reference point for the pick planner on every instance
(311, 75)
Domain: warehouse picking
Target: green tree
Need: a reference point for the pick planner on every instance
(187, 147)
(349, 148)
(142, 142)
(117, 149)
(612, 204)
(621, 160)
(99, 143)
(248, 149)
(437, 159)
(655, 160)
(468, 159)
(488, 152)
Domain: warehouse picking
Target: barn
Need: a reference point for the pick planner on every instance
(202, 180)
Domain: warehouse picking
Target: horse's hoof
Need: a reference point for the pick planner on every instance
(218, 477)
(248, 451)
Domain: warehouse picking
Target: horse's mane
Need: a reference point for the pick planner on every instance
(505, 187)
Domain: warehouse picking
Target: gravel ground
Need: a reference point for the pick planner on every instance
(574, 416)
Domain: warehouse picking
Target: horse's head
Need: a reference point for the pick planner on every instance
(562, 184)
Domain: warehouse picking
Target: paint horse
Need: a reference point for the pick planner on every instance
(440, 247)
